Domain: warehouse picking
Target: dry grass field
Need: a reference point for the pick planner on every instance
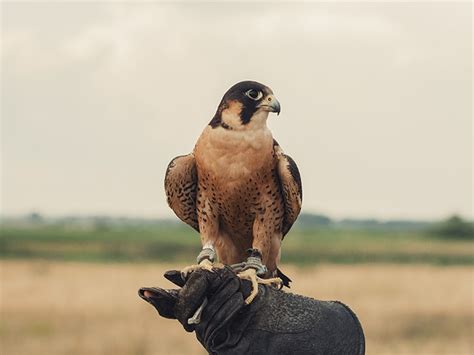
(93, 308)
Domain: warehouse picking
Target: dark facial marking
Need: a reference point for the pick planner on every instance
(217, 119)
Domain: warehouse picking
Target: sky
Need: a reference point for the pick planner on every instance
(98, 97)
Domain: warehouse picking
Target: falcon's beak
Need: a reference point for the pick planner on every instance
(270, 104)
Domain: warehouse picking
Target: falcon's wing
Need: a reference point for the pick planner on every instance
(290, 183)
(181, 187)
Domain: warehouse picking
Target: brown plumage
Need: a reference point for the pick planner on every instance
(238, 189)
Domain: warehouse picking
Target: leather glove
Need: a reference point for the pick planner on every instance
(276, 322)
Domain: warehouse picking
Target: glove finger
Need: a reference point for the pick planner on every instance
(175, 277)
(224, 300)
(223, 288)
(191, 297)
(163, 300)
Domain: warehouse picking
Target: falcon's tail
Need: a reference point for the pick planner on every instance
(286, 280)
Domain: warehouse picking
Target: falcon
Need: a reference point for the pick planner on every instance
(237, 188)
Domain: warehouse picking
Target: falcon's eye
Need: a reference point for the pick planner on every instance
(254, 94)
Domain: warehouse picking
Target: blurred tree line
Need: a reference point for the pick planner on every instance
(454, 227)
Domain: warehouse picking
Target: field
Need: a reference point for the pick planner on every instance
(51, 307)
(69, 289)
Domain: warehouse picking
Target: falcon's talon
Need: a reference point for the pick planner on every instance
(205, 264)
(274, 281)
(251, 275)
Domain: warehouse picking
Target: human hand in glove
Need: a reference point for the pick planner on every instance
(276, 322)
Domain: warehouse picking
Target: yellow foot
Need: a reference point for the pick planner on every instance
(251, 275)
(206, 264)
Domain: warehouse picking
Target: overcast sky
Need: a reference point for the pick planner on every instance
(376, 99)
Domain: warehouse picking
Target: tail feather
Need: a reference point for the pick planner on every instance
(286, 280)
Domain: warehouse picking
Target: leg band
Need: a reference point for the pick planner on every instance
(206, 253)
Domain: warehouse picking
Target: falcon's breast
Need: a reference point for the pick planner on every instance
(232, 156)
(236, 171)
(239, 177)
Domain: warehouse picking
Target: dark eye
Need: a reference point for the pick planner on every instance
(254, 94)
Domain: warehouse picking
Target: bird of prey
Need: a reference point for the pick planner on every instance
(237, 188)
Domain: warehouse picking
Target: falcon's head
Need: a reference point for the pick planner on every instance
(245, 106)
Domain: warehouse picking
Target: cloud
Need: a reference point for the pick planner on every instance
(173, 30)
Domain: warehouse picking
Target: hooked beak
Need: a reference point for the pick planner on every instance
(270, 104)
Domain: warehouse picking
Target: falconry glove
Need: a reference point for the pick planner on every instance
(276, 322)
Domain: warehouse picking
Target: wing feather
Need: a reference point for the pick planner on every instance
(291, 188)
(181, 188)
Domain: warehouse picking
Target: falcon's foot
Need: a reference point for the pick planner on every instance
(250, 270)
(205, 261)
(205, 264)
(251, 275)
